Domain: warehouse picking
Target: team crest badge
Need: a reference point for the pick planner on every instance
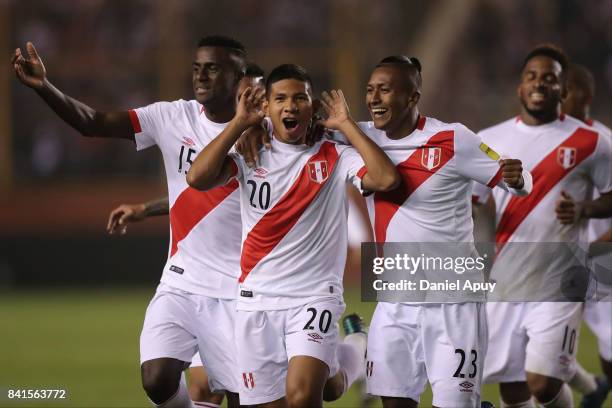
(566, 157)
(430, 157)
(318, 171)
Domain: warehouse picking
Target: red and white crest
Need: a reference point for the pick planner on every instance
(249, 380)
(430, 157)
(566, 157)
(318, 171)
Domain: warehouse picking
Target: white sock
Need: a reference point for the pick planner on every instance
(351, 357)
(180, 399)
(205, 404)
(583, 381)
(562, 400)
(525, 404)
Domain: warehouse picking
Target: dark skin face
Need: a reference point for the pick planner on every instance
(540, 91)
(577, 101)
(290, 106)
(392, 97)
(215, 80)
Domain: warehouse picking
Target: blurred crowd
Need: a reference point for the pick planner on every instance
(115, 55)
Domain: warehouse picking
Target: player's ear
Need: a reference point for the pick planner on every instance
(264, 107)
(414, 99)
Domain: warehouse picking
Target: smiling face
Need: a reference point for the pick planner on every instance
(541, 89)
(290, 107)
(215, 77)
(392, 97)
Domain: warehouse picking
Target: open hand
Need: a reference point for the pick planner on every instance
(31, 70)
(121, 216)
(336, 109)
(249, 110)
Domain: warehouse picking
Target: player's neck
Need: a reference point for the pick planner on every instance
(287, 141)
(540, 118)
(406, 127)
(220, 114)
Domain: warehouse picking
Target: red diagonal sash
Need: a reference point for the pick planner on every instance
(192, 206)
(279, 220)
(413, 174)
(545, 175)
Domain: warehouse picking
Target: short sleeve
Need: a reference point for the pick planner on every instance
(476, 160)
(351, 164)
(148, 122)
(480, 193)
(238, 167)
(601, 167)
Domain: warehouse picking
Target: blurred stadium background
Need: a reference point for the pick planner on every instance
(72, 298)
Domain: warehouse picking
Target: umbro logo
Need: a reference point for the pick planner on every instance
(466, 386)
(316, 337)
(188, 141)
(260, 172)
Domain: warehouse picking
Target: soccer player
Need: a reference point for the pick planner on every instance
(577, 103)
(533, 344)
(194, 305)
(410, 343)
(294, 241)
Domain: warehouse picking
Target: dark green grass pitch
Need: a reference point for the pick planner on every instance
(86, 342)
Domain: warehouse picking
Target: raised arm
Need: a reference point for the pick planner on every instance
(382, 174)
(213, 166)
(31, 71)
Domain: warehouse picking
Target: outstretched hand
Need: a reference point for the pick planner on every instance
(31, 70)
(249, 110)
(336, 109)
(121, 216)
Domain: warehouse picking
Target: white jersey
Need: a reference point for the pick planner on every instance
(437, 164)
(204, 252)
(294, 223)
(598, 226)
(561, 155)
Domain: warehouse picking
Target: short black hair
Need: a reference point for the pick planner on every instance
(222, 41)
(551, 51)
(253, 70)
(288, 71)
(411, 64)
(581, 76)
(234, 47)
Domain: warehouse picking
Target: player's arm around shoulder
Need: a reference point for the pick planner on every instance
(31, 71)
(381, 173)
(214, 167)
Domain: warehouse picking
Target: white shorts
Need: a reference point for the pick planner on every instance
(267, 340)
(598, 316)
(538, 337)
(178, 323)
(409, 344)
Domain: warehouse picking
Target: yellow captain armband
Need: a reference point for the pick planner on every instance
(489, 152)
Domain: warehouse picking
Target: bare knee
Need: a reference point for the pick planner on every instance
(160, 378)
(334, 387)
(514, 392)
(542, 387)
(394, 402)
